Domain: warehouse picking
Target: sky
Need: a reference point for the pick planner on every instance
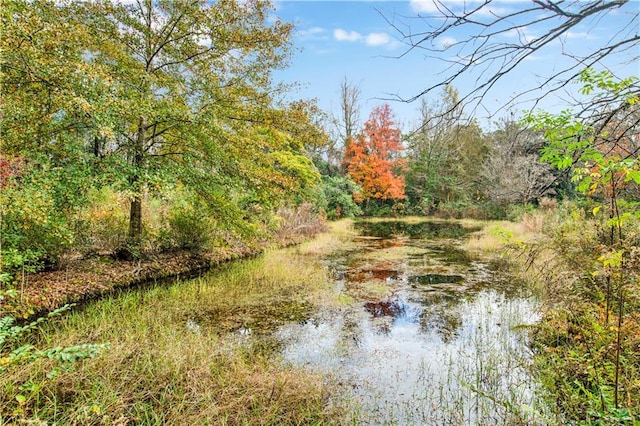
(362, 42)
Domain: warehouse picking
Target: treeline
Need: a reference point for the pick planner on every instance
(130, 128)
(445, 165)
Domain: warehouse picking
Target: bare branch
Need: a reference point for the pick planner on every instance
(498, 43)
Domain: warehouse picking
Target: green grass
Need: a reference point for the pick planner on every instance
(174, 355)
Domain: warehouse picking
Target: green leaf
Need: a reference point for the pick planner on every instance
(633, 175)
(21, 399)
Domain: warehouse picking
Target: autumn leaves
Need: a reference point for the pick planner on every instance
(372, 159)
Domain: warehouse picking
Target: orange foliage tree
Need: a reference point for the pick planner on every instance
(372, 159)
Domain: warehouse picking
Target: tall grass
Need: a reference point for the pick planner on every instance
(586, 345)
(177, 355)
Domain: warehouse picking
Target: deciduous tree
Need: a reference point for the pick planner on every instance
(373, 158)
(513, 172)
(491, 39)
(157, 92)
(446, 152)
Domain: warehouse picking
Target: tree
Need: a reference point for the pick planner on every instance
(603, 157)
(497, 41)
(195, 76)
(373, 158)
(43, 81)
(338, 193)
(350, 109)
(513, 172)
(446, 152)
(154, 93)
(329, 156)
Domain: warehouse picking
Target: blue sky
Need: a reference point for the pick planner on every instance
(353, 39)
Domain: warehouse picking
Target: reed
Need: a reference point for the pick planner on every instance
(177, 354)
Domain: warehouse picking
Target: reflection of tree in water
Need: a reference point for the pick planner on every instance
(452, 255)
(432, 279)
(444, 318)
(426, 230)
(434, 299)
(378, 274)
(387, 308)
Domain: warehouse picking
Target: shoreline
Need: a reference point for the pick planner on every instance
(86, 279)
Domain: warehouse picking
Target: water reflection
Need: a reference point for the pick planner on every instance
(423, 230)
(429, 337)
(429, 279)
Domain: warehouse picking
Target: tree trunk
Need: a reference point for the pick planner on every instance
(135, 222)
(134, 237)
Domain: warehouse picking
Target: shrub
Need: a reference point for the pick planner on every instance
(37, 223)
(453, 209)
(515, 212)
(338, 193)
(548, 204)
(104, 223)
(16, 351)
(188, 227)
(299, 221)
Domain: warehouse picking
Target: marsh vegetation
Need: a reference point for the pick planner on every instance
(381, 322)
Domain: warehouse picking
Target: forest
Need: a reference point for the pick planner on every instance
(148, 140)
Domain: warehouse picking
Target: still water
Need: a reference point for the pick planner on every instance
(423, 332)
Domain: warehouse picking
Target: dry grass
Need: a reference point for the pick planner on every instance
(496, 236)
(301, 221)
(172, 361)
(338, 236)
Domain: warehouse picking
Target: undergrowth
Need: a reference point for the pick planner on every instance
(587, 344)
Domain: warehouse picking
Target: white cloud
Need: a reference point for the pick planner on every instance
(371, 39)
(344, 35)
(377, 39)
(431, 6)
(311, 33)
(424, 5)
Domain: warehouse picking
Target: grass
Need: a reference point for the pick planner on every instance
(338, 237)
(494, 236)
(177, 355)
(579, 342)
(484, 380)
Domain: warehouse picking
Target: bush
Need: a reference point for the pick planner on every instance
(188, 227)
(15, 351)
(37, 225)
(377, 209)
(586, 343)
(398, 209)
(299, 221)
(104, 224)
(338, 193)
(515, 212)
(454, 209)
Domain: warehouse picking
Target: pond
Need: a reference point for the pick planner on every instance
(424, 333)
(394, 320)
